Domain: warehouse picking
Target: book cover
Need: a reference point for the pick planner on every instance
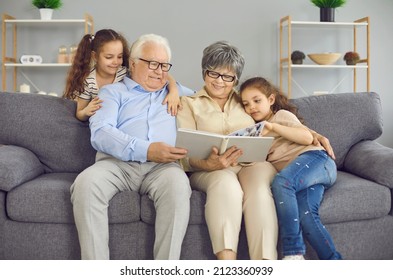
(199, 143)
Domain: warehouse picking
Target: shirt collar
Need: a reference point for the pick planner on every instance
(118, 76)
(132, 85)
(203, 93)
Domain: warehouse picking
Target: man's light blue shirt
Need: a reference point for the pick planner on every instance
(132, 118)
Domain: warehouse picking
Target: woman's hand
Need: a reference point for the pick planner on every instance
(216, 161)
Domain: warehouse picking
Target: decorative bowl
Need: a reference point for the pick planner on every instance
(324, 58)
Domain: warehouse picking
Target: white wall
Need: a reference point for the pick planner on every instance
(252, 25)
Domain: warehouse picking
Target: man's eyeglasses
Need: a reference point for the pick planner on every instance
(153, 65)
(225, 78)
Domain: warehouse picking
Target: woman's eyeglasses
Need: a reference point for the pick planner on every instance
(215, 75)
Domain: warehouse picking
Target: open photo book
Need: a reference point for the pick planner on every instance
(199, 143)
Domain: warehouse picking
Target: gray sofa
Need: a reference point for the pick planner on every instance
(44, 148)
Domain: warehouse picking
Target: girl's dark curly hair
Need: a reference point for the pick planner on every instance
(267, 88)
(81, 67)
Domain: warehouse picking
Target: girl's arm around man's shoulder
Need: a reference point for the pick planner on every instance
(185, 91)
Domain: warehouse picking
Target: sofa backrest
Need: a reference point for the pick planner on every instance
(47, 126)
(344, 118)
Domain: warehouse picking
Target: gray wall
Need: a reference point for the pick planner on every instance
(252, 25)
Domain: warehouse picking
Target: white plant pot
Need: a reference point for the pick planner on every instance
(46, 14)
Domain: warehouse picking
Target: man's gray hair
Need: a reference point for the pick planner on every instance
(221, 54)
(137, 46)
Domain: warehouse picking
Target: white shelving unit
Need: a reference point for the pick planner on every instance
(11, 61)
(286, 66)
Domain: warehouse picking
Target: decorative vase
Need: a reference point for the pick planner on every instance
(46, 14)
(351, 62)
(327, 14)
(72, 54)
(62, 56)
(297, 61)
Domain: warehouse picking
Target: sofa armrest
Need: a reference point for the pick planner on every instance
(17, 165)
(372, 161)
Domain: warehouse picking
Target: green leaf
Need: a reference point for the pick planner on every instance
(47, 4)
(328, 3)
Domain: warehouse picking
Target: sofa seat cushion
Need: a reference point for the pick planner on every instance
(46, 199)
(125, 207)
(197, 209)
(353, 198)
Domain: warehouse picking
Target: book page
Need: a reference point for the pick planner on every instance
(199, 144)
(255, 149)
(224, 146)
(252, 130)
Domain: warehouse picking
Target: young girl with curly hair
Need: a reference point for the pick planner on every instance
(102, 59)
(305, 170)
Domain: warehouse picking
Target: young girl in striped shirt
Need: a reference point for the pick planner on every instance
(102, 59)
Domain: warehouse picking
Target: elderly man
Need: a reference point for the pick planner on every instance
(135, 136)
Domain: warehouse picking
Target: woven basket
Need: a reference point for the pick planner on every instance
(324, 58)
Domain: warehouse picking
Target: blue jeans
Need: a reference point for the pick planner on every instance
(298, 192)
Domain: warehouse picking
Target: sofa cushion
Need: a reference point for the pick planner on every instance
(372, 161)
(344, 118)
(353, 198)
(124, 208)
(46, 199)
(17, 165)
(197, 209)
(47, 126)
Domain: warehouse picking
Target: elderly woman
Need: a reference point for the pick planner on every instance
(232, 189)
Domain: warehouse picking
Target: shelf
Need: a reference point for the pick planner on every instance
(287, 25)
(11, 60)
(326, 24)
(37, 65)
(39, 21)
(326, 66)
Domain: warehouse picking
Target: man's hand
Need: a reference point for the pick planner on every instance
(161, 152)
(320, 140)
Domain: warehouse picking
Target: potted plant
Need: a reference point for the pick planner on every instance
(297, 57)
(46, 7)
(351, 58)
(327, 8)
